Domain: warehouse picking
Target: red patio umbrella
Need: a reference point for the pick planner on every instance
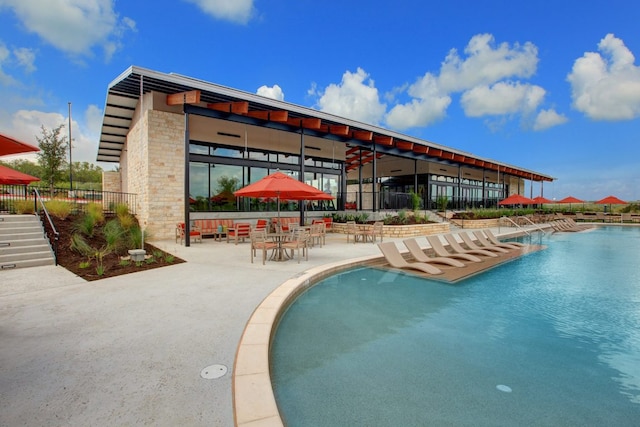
(541, 200)
(10, 145)
(516, 199)
(12, 177)
(611, 200)
(570, 199)
(281, 186)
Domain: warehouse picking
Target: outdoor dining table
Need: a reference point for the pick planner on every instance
(279, 253)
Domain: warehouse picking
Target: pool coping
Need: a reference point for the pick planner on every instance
(254, 403)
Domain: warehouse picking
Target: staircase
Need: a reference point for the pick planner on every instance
(23, 242)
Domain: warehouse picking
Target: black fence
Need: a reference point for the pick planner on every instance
(20, 198)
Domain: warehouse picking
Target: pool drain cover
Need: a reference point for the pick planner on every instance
(212, 372)
(504, 388)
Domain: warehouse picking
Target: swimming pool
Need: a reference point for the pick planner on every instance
(552, 338)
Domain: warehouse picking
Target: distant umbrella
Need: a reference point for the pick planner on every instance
(541, 200)
(570, 199)
(516, 199)
(611, 200)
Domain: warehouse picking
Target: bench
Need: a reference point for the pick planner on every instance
(285, 222)
(213, 227)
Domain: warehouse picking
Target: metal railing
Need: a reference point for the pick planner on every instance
(12, 197)
(51, 232)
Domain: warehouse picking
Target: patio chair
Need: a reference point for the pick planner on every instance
(317, 233)
(492, 238)
(455, 246)
(259, 241)
(299, 241)
(373, 232)
(194, 233)
(239, 231)
(395, 259)
(352, 229)
(440, 250)
(472, 245)
(488, 243)
(261, 224)
(418, 253)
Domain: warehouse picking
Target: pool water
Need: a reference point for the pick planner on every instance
(552, 338)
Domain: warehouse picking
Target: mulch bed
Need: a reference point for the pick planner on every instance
(113, 265)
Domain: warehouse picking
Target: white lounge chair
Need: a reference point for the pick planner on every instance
(440, 250)
(395, 259)
(472, 245)
(487, 243)
(416, 251)
(451, 239)
(492, 238)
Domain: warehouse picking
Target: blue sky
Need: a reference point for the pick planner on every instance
(552, 86)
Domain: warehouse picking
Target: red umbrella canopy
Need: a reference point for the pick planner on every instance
(541, 200)
(9, 146)
(516, 199)
(11, 177)
(282, 187)
(611, 200)
(570, 199)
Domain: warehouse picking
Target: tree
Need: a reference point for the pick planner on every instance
(87, 172)
(24, 166)
(52, 155)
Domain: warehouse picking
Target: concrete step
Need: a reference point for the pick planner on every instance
(24, 256)
(39, 240)
(40, 246)
(6, 219)
(27, 263)
(19, 236)
(26, 228)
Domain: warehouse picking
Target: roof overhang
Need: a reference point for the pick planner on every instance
(364, 142)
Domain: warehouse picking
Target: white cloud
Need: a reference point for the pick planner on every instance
(606, 85)
(480, 76)
(72, 26)
(501, 98)
(238, 11)
(427, 106)
(356, 97)
(274, 92)
(25, 125)
(548, 118)
(486, 64)
(26, 58)
(5, 79)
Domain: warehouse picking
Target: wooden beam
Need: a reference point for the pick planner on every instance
(420, 149)
(191, 97)
(308, 123)
(404, 145)
(352, 150)
(363, 135)
(387, 141)
(274, 116)
(240, 107)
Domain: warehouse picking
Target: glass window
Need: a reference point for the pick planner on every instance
(224, 180)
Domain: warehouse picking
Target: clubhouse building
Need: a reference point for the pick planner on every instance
(184, 145)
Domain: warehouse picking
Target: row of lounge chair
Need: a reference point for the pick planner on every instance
(484, 246)
(568, 224)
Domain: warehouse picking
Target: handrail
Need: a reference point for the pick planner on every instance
(536, 226)
(56, 234)
(514, 223)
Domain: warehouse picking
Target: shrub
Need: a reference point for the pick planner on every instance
(95, 211)
(85, 225)
(59, 208)
(81, 246)
(24, 206)
(114, 235)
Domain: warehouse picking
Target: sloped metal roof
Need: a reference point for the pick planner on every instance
(124, 92)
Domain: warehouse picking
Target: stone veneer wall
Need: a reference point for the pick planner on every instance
(111, 181)
(399, 231)
(154, 164)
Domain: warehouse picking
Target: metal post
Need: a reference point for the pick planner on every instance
(70, 157)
